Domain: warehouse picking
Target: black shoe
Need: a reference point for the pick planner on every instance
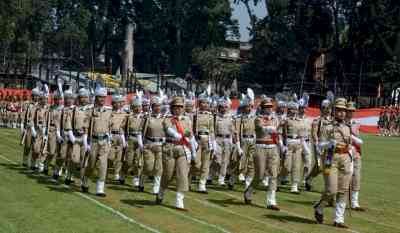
(159, 200)
(68, 182)
(308, 186)
(318, 217)
(230, 186)
(121, 181)
(340, 225)
(284, 182)
(273, 207)
(209, 182)
(25, 165)
(141, 189)
(101, 194)
(84, 189)
(46, 172)
(55, 177)
(33, 168)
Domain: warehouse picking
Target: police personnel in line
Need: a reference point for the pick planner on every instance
(266, 156)
(337, 165)
(203, 129)
(133, 158)
(99, 142)
(118, 138)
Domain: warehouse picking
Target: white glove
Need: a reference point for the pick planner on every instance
(22, 128)
(34, 134)
(124, 145)
(59, 138)
(357, 140)
(109, 138)
(85, 143)
(140, 141)
(239, 149)
(306, 148)
(284, 149)
(71, 136)
(173, 133)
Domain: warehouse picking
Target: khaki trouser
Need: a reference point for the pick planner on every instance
(201, 166)
(294, 161)
(307, 161)
(316, 164)
(266, 158)
(246, 166)
(153, 159)
(338, 179)
(28, 143)
(133, 162)
(37, 146)
(52, 147)
(115, 155)
(75, 154)
(356, 178)
(175, 162)
(61, 157)
(99, 151)
(225, 157)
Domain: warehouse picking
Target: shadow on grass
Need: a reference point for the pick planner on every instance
(306, 203)
(60, 189)
(12, 166)
(232, 202)
(120, 188)
(288, 218)
(139, 203)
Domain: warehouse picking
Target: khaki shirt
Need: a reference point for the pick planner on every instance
(118, 122)
(154, 127)
(224, 125)
(292, 128)
(319, 129)
(135, 124)
(100, 121)
(261, 123)
(54, 117)
(203, 123)
(246, 125)
(40, 117)
(184, 121)
(341, 133)
(77, 119)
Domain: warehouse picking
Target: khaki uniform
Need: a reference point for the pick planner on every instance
(54, 133)
(266, 157)
(175, 156)
(65, 126)
(293, 134)
(40, 125)
(154, 137)
(118, 123)
(27, 140)
(338, 168)
(306, 154)
(203, 128)
(247, 135)
(134, 160)
(224, 133)
(99, 136)
(319, 134)
(78, 122)
(357, 164)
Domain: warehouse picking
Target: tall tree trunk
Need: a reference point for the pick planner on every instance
(128, 53)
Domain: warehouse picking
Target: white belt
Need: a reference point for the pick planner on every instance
(266, 146)
(293, 141)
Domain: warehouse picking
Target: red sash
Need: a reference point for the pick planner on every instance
(181, 131)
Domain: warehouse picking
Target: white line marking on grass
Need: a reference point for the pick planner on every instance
(198, 220)
(209, 204)
(116, 212)
(113, 211)
(283, 211)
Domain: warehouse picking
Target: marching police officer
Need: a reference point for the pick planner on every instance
(99, 142)
(266, 156)
(337, 166)
(179, 151)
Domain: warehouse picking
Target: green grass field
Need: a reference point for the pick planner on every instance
(31, 203)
